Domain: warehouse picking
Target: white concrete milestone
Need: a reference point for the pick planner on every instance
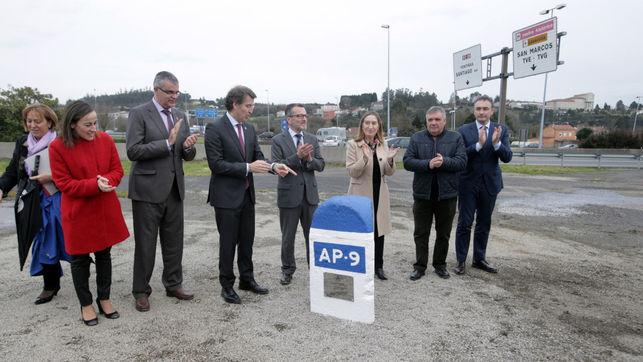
(342, 259)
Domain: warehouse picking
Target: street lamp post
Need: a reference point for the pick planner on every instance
(268, 102)
(388, 77)
(638, 106)
(542, 116)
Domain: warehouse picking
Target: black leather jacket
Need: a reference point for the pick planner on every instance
(422, 148)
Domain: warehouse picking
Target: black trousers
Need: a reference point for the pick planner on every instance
(80, 274)
(164, 220)
(423, 213)
(236, 232)
(51, 276)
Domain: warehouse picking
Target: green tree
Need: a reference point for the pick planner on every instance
(12, 102)
(606, 106)
(583, 133)
(614, 139)
(620, 106)
(634, 106)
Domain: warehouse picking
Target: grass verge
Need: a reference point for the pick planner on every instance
(200, 168)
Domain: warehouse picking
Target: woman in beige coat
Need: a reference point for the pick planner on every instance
(368, 177)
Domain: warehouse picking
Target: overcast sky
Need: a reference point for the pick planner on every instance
(309, 51)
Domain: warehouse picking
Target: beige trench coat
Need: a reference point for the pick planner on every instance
(360, 169)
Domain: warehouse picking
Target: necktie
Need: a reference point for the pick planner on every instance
(241, 143)
(298, 137)
(168, 116)
(243, 150)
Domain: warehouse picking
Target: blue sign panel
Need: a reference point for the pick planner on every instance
(349, 258)
(206, 112)
(284, 125)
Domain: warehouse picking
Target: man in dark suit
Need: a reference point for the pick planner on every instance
(234, 155)
(297, 195)
(158, 140)
(486, 143)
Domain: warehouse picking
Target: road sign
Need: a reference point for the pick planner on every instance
(535, 49)
(466, 68)
(206, 112)
(284, 124)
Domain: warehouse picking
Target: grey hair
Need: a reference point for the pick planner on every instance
(484, 97)
(436, 109)
(164, 76)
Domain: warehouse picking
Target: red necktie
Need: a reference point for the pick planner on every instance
(241, 143)
(243, 148)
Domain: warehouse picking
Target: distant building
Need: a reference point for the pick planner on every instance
(281, 114)
(556, 135)
(584, 101)
(329, 110)
(524, 104)
(377, 106)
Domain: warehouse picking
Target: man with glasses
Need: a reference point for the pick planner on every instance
(158, 141)
(297, 195)
(234, 155)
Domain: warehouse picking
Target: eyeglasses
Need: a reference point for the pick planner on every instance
(300, 116)
(170, 93)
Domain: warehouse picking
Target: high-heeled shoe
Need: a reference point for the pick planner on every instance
(91, 322)
(46, 296)
(112, 315)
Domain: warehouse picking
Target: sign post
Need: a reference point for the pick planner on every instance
(535, 49)
(466, 68)
(341, 259)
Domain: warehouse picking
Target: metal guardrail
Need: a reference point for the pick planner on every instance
(581, 159)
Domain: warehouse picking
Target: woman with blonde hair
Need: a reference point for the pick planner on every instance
(37, 206)
(369, 160)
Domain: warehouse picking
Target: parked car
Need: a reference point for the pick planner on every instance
(401, 142)
(567, 147)
(266, 135)
(332, 141)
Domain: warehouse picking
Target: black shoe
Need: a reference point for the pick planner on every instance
(459, 269)
(252, 286)
(379, 273)
(91, 322)
(230, 296)
(483, 265)
(285, 279)
(112, 315)
(46, 296)
(442, 272)
(416, 274)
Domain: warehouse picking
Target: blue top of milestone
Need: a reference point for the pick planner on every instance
(345, 213)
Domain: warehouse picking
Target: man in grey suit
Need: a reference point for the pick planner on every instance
(158, 140)
(297, 195)
(234, 155)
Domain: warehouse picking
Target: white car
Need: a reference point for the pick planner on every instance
(332, 141)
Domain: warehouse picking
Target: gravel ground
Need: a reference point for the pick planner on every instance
(569, 251)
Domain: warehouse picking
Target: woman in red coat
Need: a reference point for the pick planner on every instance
(86, 168)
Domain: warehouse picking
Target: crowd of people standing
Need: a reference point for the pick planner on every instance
(70, 210)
